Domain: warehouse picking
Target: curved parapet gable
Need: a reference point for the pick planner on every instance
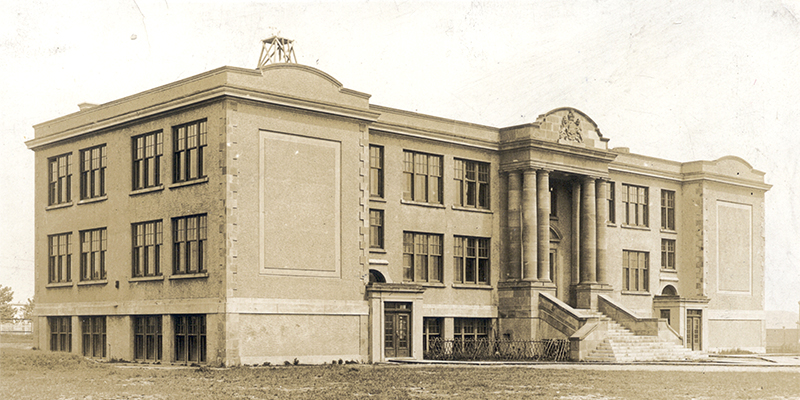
(565, 125)
(728, 167)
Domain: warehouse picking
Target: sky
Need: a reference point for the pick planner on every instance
(681, 80)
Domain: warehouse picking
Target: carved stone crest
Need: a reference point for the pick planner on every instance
(570, 130)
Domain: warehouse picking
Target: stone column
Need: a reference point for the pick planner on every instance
(529, 234)
(543, 183)
(602, 220)
(588, 231)
(576, 228)
(514, 251)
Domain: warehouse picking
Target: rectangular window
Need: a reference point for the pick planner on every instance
(59, 260)
(635, 271)
(471, 260)
(93, 172)
(422, 177)
(59, 179)
(60, 333)
(147, 338)
(376, 171)
(635, 201)
(471, 328)
(668, 210)
(189, 243)
(422, 257)
(375, 229)
(431, 330)
(94, 336)
(93, 254)
(189, 144)
(190, 338)
(147, 239)
(147, 151)
(612, 207)
(473, 183)
(553, 200)
(667, 254)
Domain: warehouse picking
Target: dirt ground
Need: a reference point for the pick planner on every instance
(32, 374)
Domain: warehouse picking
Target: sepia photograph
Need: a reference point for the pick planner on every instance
(378, 199)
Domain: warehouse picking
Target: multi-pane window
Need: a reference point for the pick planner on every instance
(190, 338)
(94, 336)
(60, 333)
(612, 208)
(668, 210)
(59, 260)
(376, 229)
(147, 338)
(471, 328)
(431, 330)
(189, 243)
(189, 145)
(93, 254)
(635, 271)
(59, 179)
(422, 175)
(147, 239)
(667, 254)
(553, 200)
(376, 171)
(93, 172)
(147, 151)
(634, 199)
(473, 183)
(471, 260)
(422, 257)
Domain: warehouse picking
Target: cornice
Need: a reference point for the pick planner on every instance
(575, 151)
(390, 110)
(687, 177)
(434, 135)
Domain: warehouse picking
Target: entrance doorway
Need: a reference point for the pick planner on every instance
(397, 329)
(694, 337)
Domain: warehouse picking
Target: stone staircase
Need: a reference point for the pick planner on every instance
(621, 345)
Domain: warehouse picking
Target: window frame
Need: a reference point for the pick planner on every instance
(668, 209)
(612, 207)
(146, 248)
(668, 259)
(93, 254)
(432, 329)
(376, 229)
(429, 262)
(421, 183)
(59, 182)
(466, 262)
(637, 212)
(148, 338)
(59, 265)
(376, 171)
(474, 182)
(181, 250)
(60, 333)
(93, 164)
(188, 147)
(185, 350)
(636, 278)
(146, 168)
(93, 335)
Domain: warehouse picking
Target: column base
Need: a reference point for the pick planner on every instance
(586, 294)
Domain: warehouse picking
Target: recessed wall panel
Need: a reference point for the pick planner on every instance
(734, 247)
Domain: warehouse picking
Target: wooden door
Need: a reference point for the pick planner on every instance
(694, 337)
(397, 329)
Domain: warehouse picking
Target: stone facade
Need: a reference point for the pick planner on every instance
(295, 220)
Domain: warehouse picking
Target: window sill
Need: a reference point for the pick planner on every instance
(189, 276)
(373, 261)
(611, 225)
(189, 183)
(377, 199)
(475, 210)
(146, 278)
(634, 227)
(57, 206)
(147, 190)
(430, 284)
(377, 251)
(670, 231)
(59, 284)
(90, 283)
(669, 270)
(628, 293)
(93, 200)
(421, 204)
(472, 286)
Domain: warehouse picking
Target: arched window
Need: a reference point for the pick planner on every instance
(375, 276)
(669, 290)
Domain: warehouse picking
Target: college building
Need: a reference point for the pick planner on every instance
(243, 216)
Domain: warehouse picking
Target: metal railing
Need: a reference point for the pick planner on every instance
(497, 349)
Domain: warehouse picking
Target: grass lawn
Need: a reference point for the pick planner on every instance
(32, 374)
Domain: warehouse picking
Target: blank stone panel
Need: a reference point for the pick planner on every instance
(300, 205)
(734, 247)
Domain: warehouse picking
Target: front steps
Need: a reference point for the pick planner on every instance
(621, 345)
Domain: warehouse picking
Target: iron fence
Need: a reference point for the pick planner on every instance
(497, 349)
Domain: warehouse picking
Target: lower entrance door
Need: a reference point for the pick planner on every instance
(694, 319)
(397, 329)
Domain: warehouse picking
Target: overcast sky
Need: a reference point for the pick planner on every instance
(678, 80)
